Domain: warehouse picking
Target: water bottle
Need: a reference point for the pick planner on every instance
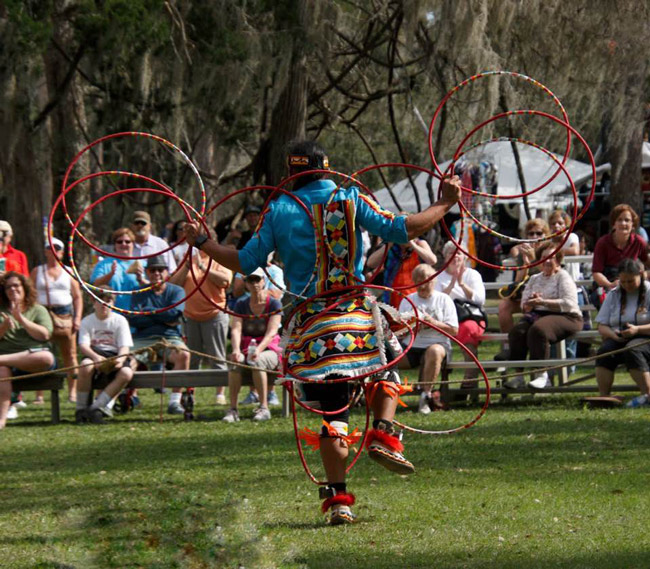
(252, 349)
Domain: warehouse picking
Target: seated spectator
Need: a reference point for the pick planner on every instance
(551, 314)
(103, 334)
(399, 265)
(120, 274)
(558, 221)
(60, 294)
(624, 321)
(276, 287)
(150, 329)
(620, 243)
(463, 283)
(524, 254)
(25, 330)
(430, 348)
(9, 252)
(206, 324)
(261, 329)
(147, 244)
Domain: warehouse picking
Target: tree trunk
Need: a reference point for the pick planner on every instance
(290, 112)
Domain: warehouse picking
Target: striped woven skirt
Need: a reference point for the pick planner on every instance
(327, 339)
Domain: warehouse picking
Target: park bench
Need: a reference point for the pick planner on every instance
(52, 382)
(187, 378)
(563, 384)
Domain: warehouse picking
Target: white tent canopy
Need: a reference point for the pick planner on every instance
(645, 156)
(537, 167)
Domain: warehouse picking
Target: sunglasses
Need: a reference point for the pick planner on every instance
(139, 222)
(55, 247)
(254, 279)
(123, 241)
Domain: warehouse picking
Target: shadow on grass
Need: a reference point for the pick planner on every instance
(470, 560)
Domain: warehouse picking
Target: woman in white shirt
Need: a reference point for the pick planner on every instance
(551, 314)
(461, 282)
(61, 294)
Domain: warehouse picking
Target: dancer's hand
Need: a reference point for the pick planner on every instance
(192, 231)
(451, 190)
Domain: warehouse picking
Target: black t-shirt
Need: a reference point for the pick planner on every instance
(255, 327)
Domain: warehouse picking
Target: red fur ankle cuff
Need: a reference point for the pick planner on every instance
(345, 499)
(389, 441)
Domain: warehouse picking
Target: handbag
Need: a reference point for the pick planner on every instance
(468, 310)
(513, 291)
(62, 323)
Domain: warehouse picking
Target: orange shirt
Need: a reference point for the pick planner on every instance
(404, 278)
(198, 307)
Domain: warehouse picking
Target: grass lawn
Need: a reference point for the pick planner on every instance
(538, 483)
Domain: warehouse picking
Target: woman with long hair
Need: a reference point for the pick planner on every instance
(624, 321)
(25, 330)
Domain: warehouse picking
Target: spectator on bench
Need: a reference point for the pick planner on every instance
(206, 324)
(120, 274)
(264, 330)
(400, 261)
(430, 348)
(524, 254)
(624, 321)
(551, 314)
(61, 294)
(153, 328)
(461, 282)
(25, 330)
(620, 243)
(103, 334)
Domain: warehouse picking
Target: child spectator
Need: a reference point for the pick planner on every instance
(103, 334)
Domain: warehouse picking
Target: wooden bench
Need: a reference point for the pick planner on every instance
(52, 383)
(563, 386)
(188, 378)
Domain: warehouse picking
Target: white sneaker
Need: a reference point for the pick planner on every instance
(273, 400)
(12, 413)
(541, 381)
(231, 416)
(261, 414)
(423, 405)
(515, 382)
(221, 399)
(20, 404)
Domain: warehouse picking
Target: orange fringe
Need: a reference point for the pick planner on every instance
(312, 438)
(391, 389)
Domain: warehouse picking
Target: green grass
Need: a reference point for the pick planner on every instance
(540, 483)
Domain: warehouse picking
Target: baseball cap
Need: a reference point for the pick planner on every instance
(141, 216)
(157, 262)
(259, 272)
(4, 226)
(56, 242)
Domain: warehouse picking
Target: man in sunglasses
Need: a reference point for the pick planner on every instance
(146, 243)
(152, 328)
(339, 334)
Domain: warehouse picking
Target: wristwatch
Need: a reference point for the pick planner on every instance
(200, 240)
